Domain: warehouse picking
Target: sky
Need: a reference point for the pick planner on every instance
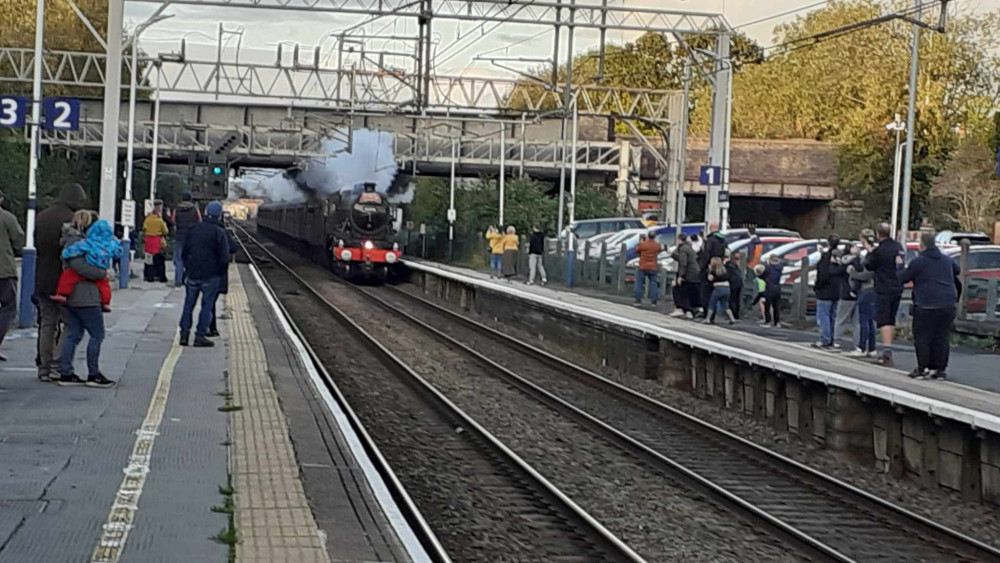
(263, 30)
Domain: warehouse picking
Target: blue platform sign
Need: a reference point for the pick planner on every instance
(62, 114)
(12, 111)
(710, 176)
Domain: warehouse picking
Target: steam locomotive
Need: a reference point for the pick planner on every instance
(349, 231)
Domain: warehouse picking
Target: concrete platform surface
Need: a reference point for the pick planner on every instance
(133, 473)
(948, 399)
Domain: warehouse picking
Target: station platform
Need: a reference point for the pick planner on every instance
(197, 454)
(777, 351)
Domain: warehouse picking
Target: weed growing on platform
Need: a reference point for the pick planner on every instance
(228, 534)
(226, 507)
(229, 407)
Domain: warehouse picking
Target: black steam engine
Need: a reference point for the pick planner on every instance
(352, 231)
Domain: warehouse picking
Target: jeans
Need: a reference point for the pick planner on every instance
(866, 320)
(719, 300)
(178, 261)
(496, 263)
(536, 264)
(931, 328)
(826, 318)
(640, 278)
(209, 290)
(8, 305)
(79, 319)
(846, 316)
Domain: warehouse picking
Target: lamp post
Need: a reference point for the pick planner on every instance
(126, 238)
(27, 317)
(897, 126)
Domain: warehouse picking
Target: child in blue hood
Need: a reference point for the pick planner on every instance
(99, 247)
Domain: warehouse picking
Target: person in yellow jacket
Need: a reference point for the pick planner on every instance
(496, 250)
(509, 246)
(154, 232)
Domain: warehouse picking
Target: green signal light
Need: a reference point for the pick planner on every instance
(216, 170)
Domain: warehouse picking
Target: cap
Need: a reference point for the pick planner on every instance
(186, 196)
(214, 209)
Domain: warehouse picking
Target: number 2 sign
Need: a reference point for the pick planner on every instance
(12, 111)
(62, 114)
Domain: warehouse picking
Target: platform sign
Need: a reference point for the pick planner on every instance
(128, 213)
(13, 110)
(710, 176)
(61, 114)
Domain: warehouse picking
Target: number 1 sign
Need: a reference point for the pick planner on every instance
(62, 114)
(12, 111)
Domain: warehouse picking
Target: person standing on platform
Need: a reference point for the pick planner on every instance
(648, 250)
(719, 300)
(863, 285)
(829, 280)
(154, 232)
(84, 310)
(11, 245)
(536, 255)
(847, 307)
(884, 260)
(206, 259)
(48, 267)
(688, 277)
(509, 245)
(714, 247)
(213, 327)
(936, 291)
(184, 217)
(772, 293)
(494, 238)
(735, 284)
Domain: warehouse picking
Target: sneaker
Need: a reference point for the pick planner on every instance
(99, 381)
(886, 360)
(870, 354)
(732, 318)
(637, 303)
(689, 315)
(917, 373)
(819, 344)
(46, 378)
(764, 324)
(857, 353)
(676, 314)
(202, 342)
(3, 358)
(183, 340)
(545, 282)
(938, 374)
(71, 380)
(212, 333)
(529, 282)
(835, 345)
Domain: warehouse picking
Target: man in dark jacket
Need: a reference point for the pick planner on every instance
(686, 298)
(206, 259)
(48, 266)
(184, 218)
(536, 251)
(735, 284)
(830, 279)
(714, 247)
(884, 260)
(935, 280)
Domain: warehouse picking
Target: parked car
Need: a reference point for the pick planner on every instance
(733, 235)
(586, 228)
(984, 264)
(953, 238)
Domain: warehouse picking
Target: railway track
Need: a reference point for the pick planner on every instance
(483, 501)
(820, 514)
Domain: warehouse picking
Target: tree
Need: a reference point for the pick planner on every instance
(968, 191)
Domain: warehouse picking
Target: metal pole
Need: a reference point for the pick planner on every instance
(724, 224)
(572, 174)
(521, 166)
(112, 103)
(895, 185)
(26, 316)
(911, 120)
(218, 61)
(679, 210)
(156, 138)
(502, 171)
(718, 147)
(451, 204)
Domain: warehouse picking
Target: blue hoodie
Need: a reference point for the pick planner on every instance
(935, 280)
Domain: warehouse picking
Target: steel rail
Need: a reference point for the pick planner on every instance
(612, 544)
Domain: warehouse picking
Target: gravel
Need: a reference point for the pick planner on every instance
(975, 519)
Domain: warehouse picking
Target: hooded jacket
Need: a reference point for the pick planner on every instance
(185, 217)
(715, 247)
(687, 262)
(830, 278)
(206, 250)
(935, 279)
(48, 232)
(11, 244)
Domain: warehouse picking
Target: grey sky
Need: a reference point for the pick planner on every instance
(264, 29)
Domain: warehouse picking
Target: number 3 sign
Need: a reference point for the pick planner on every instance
(12, 111)
(62, 114)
